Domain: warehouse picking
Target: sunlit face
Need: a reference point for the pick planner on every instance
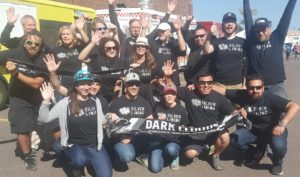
(170, 97)
(29, 25)
(164, 35)
(141, 50)
(101, 27)
(110, 49)
(204, 85)
(32, 45)
(83, 88)
(229, 28)
(132, 88)
(200, 37)
(255, 89)
(263, 35)
(67, 37)
(95, 88)
(135, 29)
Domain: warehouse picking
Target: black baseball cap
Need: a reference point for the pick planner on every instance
(261, 24)
(229, 17)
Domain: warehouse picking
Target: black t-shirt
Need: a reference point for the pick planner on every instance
(176, 115)
(17, 88)
(124, 108)
(265, 112)
(69, 62)
(145, 73)
(205, 110)
(167, 51)
(196, 64)
(228, 60)
(83, 127)
(98, 64)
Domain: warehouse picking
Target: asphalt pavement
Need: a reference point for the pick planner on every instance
(12, 166)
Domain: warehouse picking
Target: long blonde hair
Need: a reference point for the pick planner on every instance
(60, 42)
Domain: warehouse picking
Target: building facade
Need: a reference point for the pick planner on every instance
(184, 7)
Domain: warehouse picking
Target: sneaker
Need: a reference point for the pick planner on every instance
(33, 152)
(78, 172)
(216, 163)
(30, 163)
(175, 164)
(249, 161)
(277, 170)
(211, 150)
(143, 160)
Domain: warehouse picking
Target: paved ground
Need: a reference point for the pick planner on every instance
(12, 166)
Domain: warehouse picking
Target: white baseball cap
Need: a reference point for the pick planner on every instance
(164, 26)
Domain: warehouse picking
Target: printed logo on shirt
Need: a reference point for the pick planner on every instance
(134, 110)
(67, 55)
(263, 46)
(87, 112)
(230, 47)
(258, 111)
(164, 50)
(169, 117)
(204, 104)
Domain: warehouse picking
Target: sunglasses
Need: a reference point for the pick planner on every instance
(101, 28)
(32, 43)
(254, 87)
(130, 84)
(200, 36)
(205, 82)
(111, 48)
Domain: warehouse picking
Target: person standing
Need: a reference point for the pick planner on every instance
(24, 97)
(28, 23)
(265, 47)
(227, 63)
(296, 49)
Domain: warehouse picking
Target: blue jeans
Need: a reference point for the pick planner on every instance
(243, 138)
(125, 152)
(80, 155)
(278, 89)
(157, 156)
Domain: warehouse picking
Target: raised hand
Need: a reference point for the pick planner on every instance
(177, 24)
(111, 1)
(11, 16)
(46, 91)
(97, 37)
(168, 68)
(11, 67)
(144, 21)
(51, 64)
(171, 5)
(79, 23)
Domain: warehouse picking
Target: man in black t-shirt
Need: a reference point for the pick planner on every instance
(263, 109)
(205, 107)
(265, 47)
(130, 105)
(24, 96)
(228, 55)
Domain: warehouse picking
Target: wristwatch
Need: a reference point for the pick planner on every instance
(281, 124)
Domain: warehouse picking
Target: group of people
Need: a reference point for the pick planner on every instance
(119, 77)
(289, 48)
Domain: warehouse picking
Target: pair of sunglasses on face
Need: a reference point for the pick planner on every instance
(199, 36)
(205, 82)
(130, 84)
(32, 43)
(111, 48)
(254, 87)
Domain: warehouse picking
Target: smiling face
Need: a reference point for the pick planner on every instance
(32, 44)
(95, 88)
(164, 35)
(83, 89)
(204, 85)
(110, 49)
(229, 28)
(67, 37)
(28, 24)
(263, 35)
(170, 97)
(200, 37)
(255, 89)
(141, 50)
(132, 89)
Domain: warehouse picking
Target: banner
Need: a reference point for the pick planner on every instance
(154, 126)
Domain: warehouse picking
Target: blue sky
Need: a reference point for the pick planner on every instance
(213, 10)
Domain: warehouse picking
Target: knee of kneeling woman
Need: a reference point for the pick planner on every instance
(190, 154)
(127, 157)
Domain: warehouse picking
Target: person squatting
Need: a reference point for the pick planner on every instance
(119, 77)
